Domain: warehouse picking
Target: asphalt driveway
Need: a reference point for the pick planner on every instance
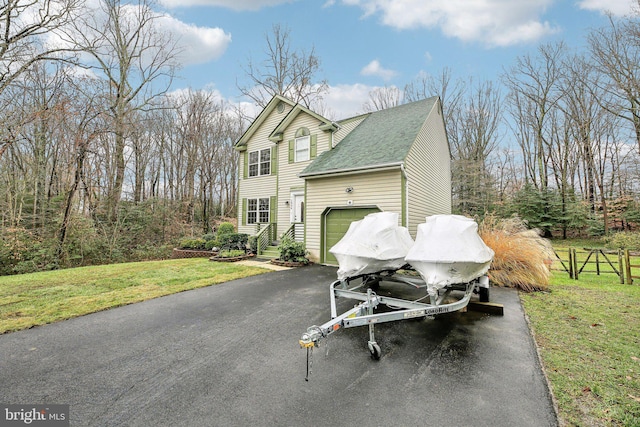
(228, 355)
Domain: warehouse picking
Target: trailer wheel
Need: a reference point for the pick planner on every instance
(484, 294)
(375, 351)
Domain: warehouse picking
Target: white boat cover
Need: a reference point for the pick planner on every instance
(375, 243)
(448, 250)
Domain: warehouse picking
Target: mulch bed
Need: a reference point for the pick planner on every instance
(191, 253)
(276, 261)
(231, 259)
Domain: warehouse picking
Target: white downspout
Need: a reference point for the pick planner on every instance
(406, 193)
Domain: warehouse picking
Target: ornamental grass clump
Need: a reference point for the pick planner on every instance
(522, 257)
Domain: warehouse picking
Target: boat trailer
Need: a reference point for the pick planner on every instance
(361, 288)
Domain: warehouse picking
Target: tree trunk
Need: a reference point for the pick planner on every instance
(62, 231)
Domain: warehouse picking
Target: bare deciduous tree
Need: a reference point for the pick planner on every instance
(81, 124)
(138, 62)
(24, 28)
(426, 86)
(476, 122)
(284, 71)
(450, 93)
(534, 94)
(382, 98)
(615, 52)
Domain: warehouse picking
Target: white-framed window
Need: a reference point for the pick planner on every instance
(258, 210)
(252, 211)
(302, 145)
(302, 148)
(265, 162)
(260, 162)
(263, 210)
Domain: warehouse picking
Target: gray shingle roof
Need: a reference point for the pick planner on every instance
(383, 138)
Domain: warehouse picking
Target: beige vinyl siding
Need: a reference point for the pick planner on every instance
(254, 188)
(428, 172)
(382, 189)
(259, 186)
(288, 172)
(346, 127)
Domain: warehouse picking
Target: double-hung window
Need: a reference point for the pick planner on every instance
(265, 162)
(252, 211)
(302, 148)
(258, 210)
(302, 145)
(260, 162)
(263, 210)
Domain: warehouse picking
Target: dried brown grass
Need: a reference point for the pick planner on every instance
(522, 257)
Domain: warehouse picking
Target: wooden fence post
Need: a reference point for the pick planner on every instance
(570, 263)
(620, 266)
(627, 259)
(575, 264)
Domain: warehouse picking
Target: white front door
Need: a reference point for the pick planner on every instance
(297, 207)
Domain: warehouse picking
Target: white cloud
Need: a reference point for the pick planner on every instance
(374, 68)
(185, 91)
(344, 101)
(249, 109)
(616, 7)
(199, 44)
(340, 102)
(491, 22)
(82, 73)
(229, 4)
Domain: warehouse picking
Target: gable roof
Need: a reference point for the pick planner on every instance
(325, 124)
(383, 139)
(255, 125)
(276, 135)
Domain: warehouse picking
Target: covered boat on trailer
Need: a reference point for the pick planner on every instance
(449, 250)
(450, 257)
(375, 243)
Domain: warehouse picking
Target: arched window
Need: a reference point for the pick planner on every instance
(302, 132)
(302, 145)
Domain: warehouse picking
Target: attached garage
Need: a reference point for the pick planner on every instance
(394, 160)
(335, 223)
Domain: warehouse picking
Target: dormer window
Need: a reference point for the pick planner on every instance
(302, 151)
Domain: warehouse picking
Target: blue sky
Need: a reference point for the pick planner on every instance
(364, 44)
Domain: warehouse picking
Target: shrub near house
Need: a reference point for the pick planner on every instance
(292, 251)
(225, 241)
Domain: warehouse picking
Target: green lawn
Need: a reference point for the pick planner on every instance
(588, 332)
(35, 299)
(588, 261)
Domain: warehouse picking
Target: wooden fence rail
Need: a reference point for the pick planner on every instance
(632, 260)
(576, 261)
(566, 262)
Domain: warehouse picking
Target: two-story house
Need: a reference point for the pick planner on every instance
(310, 177)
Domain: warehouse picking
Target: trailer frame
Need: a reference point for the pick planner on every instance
(361, 288)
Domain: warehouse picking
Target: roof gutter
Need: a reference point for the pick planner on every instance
(351, 171)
